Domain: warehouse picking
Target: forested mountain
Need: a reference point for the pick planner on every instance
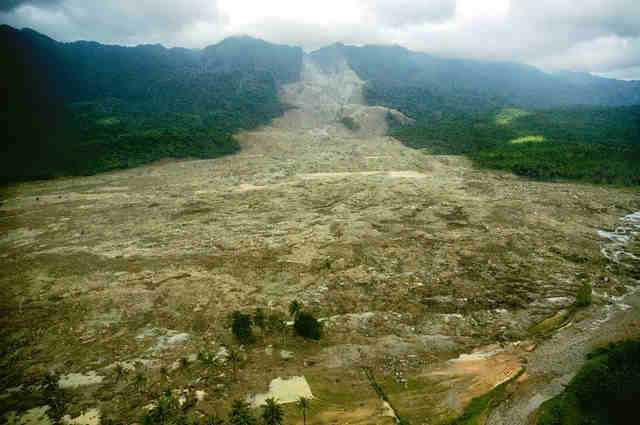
(84, 107)
(504, 115)
(426, 87)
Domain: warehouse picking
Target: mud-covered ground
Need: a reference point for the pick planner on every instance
(413, 260)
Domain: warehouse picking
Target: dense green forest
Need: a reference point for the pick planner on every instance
(83, 107)
(590, 144)
(602, 392)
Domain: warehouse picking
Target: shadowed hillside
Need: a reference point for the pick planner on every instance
(83, 107)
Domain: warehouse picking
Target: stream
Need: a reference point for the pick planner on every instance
(557, 359)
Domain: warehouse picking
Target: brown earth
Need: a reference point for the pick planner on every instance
(414, 259)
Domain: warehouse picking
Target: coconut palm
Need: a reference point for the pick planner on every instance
(303, 404)
(240, 414)
(139, 382)
(276, 322)
(234, 357)
(294, 308)
(120, 372)
(259, 319)
(213, 420)
(272, 413)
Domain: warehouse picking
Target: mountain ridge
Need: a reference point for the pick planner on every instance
(60, 94)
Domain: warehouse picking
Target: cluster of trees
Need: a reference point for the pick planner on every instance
(174, 406)
(304, 324)
(168, 410)
(81, 108)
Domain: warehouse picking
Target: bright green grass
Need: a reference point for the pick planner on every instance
(509, 114)
(109, 121)
(527, 139)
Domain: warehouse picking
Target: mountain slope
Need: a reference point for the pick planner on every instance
(83, 107)
(70, 104)
(428, 87)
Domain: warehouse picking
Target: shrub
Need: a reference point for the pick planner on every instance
(241, 327)
(307, 326)
(350, 123)
(583, 298)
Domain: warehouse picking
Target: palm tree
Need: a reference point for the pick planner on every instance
(303, 404)
(213, 420)
(240, 414)
(234, 357)
(120, 372)
(259, 319)
(277, 323)
(272, 413)
(294, 308)
(139, 382)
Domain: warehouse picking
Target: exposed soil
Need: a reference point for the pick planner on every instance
(287, 390)
(413, 260)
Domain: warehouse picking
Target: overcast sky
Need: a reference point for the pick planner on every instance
(598, 36)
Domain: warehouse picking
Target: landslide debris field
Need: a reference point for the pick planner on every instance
(431, 275)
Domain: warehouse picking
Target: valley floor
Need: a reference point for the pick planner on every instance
(412, 259)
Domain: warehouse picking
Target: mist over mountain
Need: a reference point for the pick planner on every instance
(132, 105)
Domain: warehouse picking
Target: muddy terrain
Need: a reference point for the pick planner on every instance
(430, 275)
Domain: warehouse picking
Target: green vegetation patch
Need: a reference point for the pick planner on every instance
(551, 323)
(528, 139)
(480, 406)
(109, 121)
(507, 115)
(603, 392)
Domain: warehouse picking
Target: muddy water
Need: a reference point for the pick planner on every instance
(615, 243)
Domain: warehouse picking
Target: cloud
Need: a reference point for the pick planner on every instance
(119, 21)
(8, 5)
(588, 20)
(598, 36)
(400, 13)
(631, 73)
(312, 35)
(601, 55)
